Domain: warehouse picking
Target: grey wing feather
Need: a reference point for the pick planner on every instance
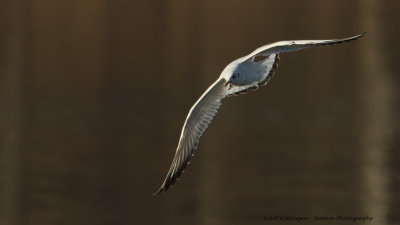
(198, 119)
(291, 46)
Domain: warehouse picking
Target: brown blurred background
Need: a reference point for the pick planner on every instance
(93, 95)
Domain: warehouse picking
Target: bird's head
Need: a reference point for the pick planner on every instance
(234, 79)
(232, 74)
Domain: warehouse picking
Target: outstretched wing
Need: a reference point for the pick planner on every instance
(198, 119)
(291, 46)
(266, 67)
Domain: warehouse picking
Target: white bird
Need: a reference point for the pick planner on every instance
(238, 77)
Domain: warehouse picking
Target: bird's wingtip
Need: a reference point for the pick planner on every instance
(362, 34)
(159, 191)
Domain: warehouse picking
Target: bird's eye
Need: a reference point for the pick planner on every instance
(234, 76)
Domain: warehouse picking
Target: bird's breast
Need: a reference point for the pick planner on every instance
(248, 74)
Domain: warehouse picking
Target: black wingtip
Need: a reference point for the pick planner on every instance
(164, 187)
(354, 37)
(158, 192)
(357, 36)
(362, 34)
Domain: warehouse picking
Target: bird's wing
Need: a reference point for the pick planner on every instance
(240, 90)
(198, 119)
(291, 46)
(266, 66)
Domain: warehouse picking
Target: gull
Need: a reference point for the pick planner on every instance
(238, 77)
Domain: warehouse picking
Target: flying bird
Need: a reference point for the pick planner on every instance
(238, 77)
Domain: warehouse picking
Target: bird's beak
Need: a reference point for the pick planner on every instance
(226, 83)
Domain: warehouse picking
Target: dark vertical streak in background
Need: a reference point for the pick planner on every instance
(11, 70)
